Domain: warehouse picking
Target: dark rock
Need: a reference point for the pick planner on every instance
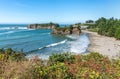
(73, 29)
(43, 26)
(67, 30)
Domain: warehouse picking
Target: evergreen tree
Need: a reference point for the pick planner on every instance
(117, 34)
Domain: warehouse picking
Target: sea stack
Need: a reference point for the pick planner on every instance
(73, 29)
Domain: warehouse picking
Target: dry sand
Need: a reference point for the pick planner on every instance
(107, 46)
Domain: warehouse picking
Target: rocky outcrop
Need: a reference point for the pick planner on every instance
(67, 30)
(43, 26)
(73, 29)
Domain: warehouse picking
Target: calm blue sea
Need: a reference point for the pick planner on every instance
(40, 42)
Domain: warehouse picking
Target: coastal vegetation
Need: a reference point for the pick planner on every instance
(11, 55)
(71, 29)
(15, 65)
(108, 27)
(58, 66)
(89, 21)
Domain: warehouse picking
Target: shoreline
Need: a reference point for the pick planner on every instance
(104, 45)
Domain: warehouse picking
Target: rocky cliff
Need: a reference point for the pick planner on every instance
(43, 26)
(75, 29)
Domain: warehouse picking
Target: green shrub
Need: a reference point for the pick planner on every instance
(93, 55)
(62, 66)
(9, 54)
(61, 57)
(117, 33)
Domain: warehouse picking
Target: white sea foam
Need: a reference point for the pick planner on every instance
(44, 33)
(80, 45)
(54, 44)
(12, 28)
(77, 46)
(9, 32)
(73, 36)
(22, 27)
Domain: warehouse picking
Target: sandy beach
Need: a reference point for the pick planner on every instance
(107, 46)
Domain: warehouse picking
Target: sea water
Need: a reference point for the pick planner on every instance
(40, 42)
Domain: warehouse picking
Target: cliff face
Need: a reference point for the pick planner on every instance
(74, 29)
(43, 26)
(67, 30)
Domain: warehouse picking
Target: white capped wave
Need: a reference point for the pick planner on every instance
(73, 36)
(54, 44)
(12, 28)
(77, 46)
(22, 28)
(13, 31)
(80, 45)
(9, 32)
(44, 33)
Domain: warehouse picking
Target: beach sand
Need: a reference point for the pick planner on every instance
(107, 46)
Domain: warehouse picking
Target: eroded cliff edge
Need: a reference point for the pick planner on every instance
(43, 26)
(56, 29)
(73, 29)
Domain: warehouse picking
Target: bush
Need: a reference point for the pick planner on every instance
(9, 54)
(63, 66)
(108, 27)
(8, 51)
(117, 34)
(62, 57)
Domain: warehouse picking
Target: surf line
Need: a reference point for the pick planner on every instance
(53, 44)
(47, 46)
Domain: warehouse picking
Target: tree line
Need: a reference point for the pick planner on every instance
(108, 27)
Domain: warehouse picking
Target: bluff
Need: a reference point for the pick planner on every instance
(43, 26)
(74, 29)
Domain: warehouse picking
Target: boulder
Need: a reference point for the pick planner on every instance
(67, 30)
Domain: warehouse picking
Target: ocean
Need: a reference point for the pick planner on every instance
(40, 42)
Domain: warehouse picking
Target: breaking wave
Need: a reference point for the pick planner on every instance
(73, 36)
(80, 45)
(54, 44)
(12, 28)
(7, 32)
(47, 46)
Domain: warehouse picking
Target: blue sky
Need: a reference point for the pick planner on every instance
(59, 11)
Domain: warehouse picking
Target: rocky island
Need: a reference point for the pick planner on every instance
(56, 29)
(43, 26)
(73, 29)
